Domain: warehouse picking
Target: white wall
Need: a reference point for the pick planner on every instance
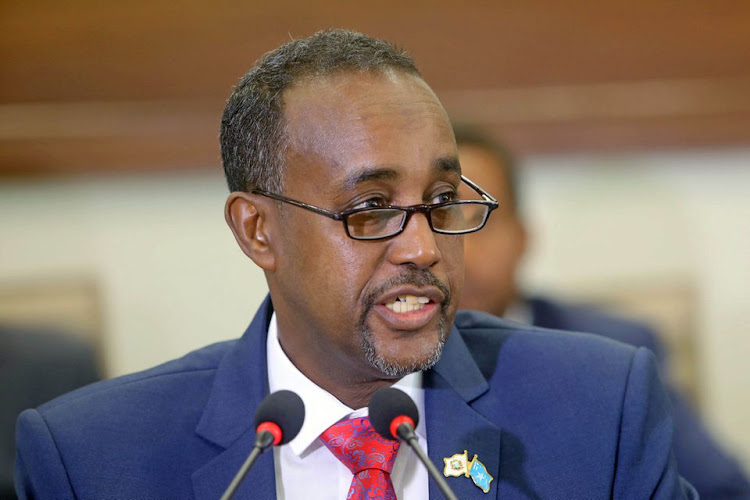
(680, 217)
(172, 278)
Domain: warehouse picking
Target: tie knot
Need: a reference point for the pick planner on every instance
(358, 446)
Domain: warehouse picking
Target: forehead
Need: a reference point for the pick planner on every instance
(356, 121)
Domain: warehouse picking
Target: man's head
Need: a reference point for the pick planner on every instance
(253, 125)
(350, 124)
(492, 255)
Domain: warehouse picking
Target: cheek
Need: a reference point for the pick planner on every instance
(338, 266)
(452, 250)
(310, 253)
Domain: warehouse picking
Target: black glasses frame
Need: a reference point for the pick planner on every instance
(488, 201)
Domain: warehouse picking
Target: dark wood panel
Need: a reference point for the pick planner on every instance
(89, 85)
(177, 139)
(613, 135)
(82, 50)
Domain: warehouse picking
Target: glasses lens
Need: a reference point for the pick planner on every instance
(375, 223)
(459, 218)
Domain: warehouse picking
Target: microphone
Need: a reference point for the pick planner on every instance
(394, 415)
(278, 419)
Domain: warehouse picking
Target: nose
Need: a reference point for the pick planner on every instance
(416, 245)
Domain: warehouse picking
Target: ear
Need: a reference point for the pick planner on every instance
(247, 216)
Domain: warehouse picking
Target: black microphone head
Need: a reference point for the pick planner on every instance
(285, 409)
(387, 404)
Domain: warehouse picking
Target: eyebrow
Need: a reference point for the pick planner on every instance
(367, 174)
(448, 164)
(445, 164)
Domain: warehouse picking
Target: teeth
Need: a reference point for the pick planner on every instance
(407, 303)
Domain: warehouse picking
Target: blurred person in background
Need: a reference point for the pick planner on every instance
(36, 365)
(493, 257)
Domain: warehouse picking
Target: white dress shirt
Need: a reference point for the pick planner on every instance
(304, 467)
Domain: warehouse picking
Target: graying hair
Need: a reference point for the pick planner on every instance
(252, 127)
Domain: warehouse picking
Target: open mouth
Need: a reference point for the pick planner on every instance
(411, 306)
(407, 303)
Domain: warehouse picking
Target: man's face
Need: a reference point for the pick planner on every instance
(363, 310)
(494, 253)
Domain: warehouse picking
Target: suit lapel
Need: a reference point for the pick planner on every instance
(240, 385)
(453, 425)
(211, 480)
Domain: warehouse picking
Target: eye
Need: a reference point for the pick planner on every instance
(445, 197)
(372, 202)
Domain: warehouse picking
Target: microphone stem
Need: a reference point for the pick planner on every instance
(442, 484)
(263, 441)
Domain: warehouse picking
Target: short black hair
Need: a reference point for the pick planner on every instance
(472, 135)
(252, 138)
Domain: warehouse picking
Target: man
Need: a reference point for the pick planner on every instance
(493, 257)
(344, 176)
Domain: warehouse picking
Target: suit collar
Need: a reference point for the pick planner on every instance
(223, 423)
(453, 425)
(452, 388)
(458, 369)
(227, 418)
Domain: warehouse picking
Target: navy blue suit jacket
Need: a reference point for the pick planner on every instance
(713, 472)
(549, 415)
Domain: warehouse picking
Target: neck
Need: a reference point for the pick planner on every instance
(349, 381)
(358, 396)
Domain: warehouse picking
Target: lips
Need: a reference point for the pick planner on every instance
(409, 308)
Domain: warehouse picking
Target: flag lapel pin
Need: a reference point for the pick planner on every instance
(479, 475)
(459, 465)
(456, 465)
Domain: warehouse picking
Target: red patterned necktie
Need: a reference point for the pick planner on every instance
(366, 454)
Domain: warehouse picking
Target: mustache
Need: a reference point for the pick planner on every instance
(416, 277)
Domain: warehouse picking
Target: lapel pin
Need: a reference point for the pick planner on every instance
(456, 465)
(459, 465)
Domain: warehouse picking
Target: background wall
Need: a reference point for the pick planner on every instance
(634, 117)
(171, 278)
(667, 219)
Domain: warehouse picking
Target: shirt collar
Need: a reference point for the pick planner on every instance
(322, 409)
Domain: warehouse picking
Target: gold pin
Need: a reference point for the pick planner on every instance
(456, 465)
(459, 465)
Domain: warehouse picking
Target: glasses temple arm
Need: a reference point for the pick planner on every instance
(478, 189)
(312, 208)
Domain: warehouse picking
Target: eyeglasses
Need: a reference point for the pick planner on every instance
(377, 223)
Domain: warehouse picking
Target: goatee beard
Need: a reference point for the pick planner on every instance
(389, 368)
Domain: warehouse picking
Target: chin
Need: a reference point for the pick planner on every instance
(404, 361)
